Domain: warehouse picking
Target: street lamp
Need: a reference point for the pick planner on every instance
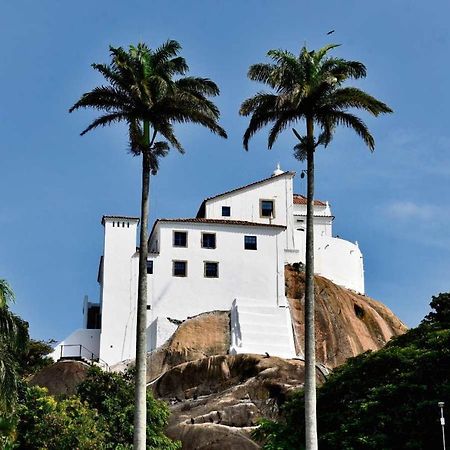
(441, 405)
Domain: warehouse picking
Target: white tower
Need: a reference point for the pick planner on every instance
(118, 288)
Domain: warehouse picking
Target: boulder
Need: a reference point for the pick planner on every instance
(61, 378)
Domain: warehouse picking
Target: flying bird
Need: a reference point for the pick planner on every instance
(330, 32)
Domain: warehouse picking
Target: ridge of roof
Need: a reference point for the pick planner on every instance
(105, 217)
(243, 187)
(250, 185)
(216, 221)
(221, 222)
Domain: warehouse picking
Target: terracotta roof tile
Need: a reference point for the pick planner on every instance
(301, 200)
(222, 222)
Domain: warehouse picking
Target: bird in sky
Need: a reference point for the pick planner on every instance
(330, 32)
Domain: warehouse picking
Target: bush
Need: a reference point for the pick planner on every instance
(45, 423)
(112, 395)
(380, 400)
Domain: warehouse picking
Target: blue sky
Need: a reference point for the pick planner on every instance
(56, 185)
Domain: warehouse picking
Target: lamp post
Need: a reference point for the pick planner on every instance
(441, 406)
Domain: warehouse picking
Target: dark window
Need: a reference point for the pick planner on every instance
(180, 239)
(94, 317)
(149, 267)
(267, 208)
(209, 240)
(211, 269)
(250, 242)
(226, 211)
(179, 268)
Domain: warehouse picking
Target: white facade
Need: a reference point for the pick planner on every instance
(230, 257)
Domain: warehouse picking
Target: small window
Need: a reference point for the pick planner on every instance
(250, 242)
(267, 208)
(149, 267)
(208, 240)
(211, 269)
(179, 268)
(180, 239)
(226, 211)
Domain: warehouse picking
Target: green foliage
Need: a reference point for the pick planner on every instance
(379, 400)
(441, 314)
(13, 340)
(34, 358)
(308, 86)
(45, 423)
(149, 86)
(112, 395)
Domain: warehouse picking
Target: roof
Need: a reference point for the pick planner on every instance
(301, 200)
(202, 206)
(218, 221)
(104, 218)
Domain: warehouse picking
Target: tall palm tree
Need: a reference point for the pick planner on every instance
(308, 88)
(13, 341)
(148, 91)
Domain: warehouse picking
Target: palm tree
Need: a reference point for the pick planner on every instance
(309, 88)
(13, 341)
(143, 92)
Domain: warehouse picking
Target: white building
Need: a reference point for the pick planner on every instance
(231, 256)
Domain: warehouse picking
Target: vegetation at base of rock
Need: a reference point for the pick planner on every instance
(379, 400)
(99, 417)
(112, 395)
(46, 423)
(13, 341)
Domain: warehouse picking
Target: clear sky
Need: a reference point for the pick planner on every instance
(56, 185)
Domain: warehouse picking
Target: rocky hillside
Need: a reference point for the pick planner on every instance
(216, 398)
(347, 323)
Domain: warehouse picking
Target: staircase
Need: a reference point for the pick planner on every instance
(258, 328)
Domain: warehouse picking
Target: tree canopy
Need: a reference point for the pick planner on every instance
(380, 400)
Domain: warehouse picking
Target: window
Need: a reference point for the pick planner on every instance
(226, 211)
(179, 268)
(180, 238)
(250, 242)
(267, 209)
(208, 240)
(149, 267)
(211, 269)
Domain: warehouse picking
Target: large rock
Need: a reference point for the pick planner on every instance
(215, 402)
(347, 323)
(61, 378)
(204, 335)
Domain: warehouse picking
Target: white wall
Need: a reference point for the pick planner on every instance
(89, 340)
(119, 290)
(341, 261)
(245, 204)
(257, 273)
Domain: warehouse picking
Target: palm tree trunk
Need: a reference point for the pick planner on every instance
(140, 412)
(310, 350)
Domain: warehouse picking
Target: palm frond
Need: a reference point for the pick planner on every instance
(6, 294)
(106, 119)
(355, 123)
(350, 97)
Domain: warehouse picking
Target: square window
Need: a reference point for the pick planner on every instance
(211, 269)
(208, 240)
(250, 242)
(179, 268)
(180, 238)
(267, 208)
(226, 211)
(149, 267)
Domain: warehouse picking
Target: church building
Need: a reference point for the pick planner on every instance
(230, 256)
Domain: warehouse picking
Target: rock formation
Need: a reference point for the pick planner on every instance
(216, 398)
